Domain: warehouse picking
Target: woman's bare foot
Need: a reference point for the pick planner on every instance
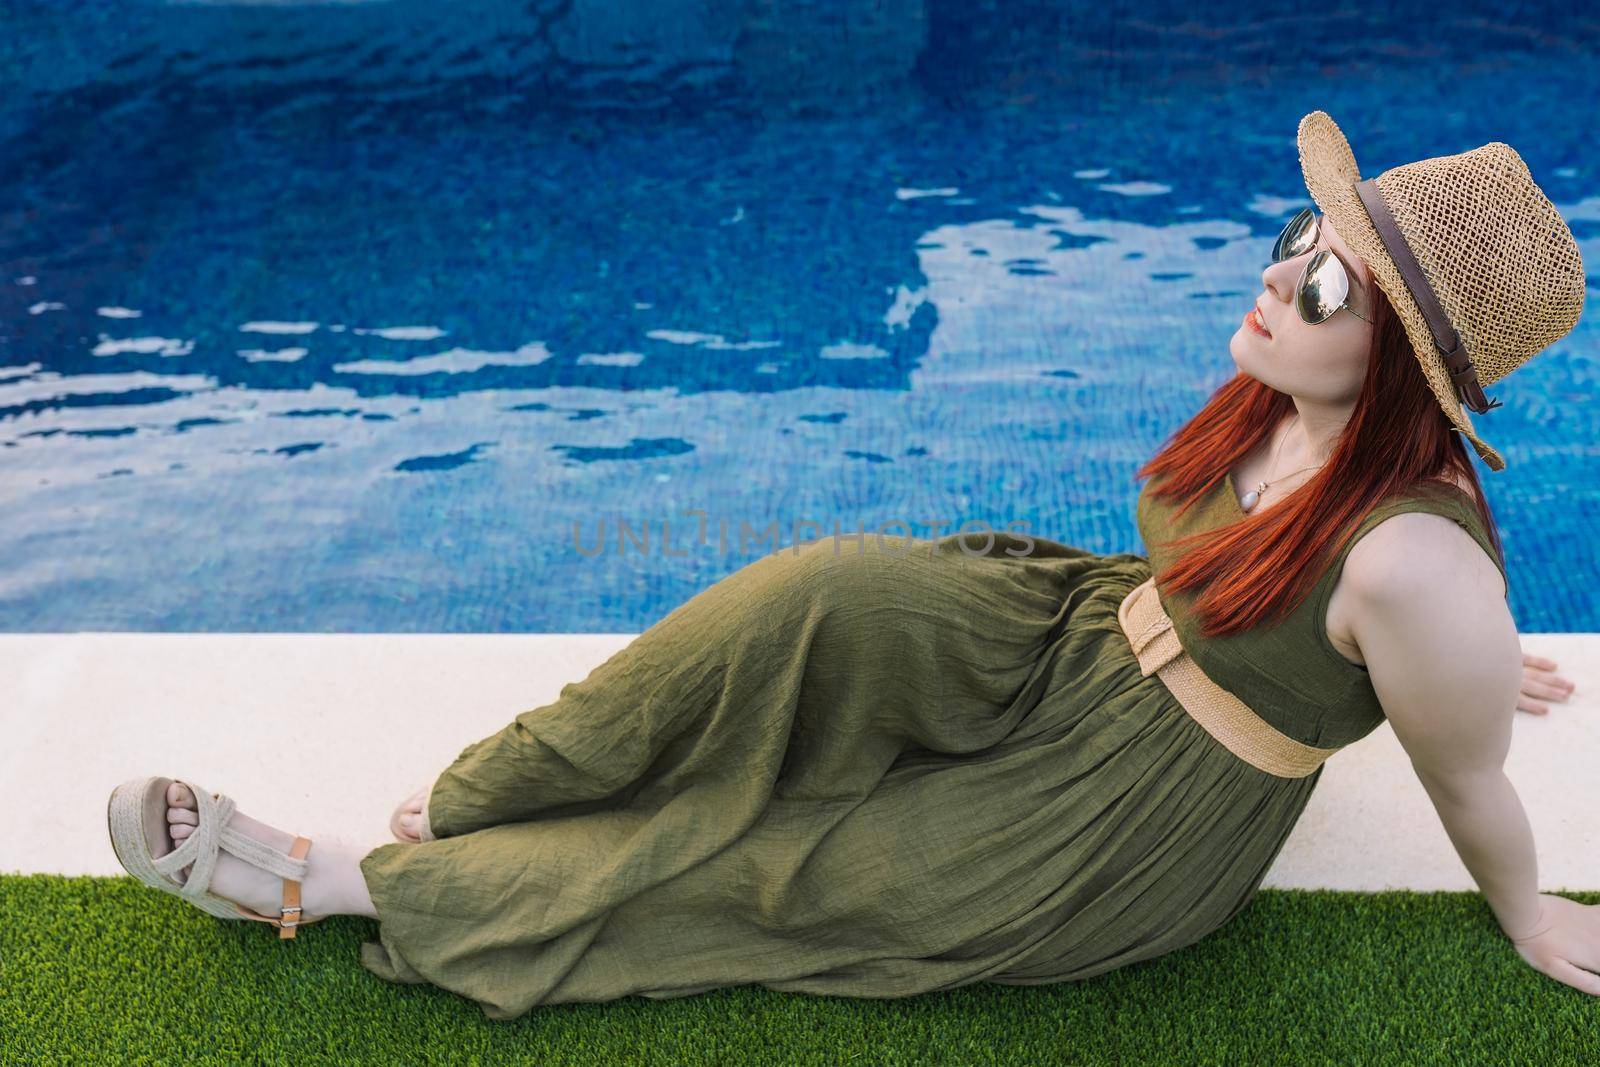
(333, 884)
(409, 823)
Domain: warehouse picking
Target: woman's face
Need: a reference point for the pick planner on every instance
(1323, 364)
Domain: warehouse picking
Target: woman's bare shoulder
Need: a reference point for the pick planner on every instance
(1397, 543)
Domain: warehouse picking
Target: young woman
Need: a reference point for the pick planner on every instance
(880, 767)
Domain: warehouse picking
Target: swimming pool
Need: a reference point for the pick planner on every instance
(391, 317)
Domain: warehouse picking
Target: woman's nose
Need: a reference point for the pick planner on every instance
(1279, 278)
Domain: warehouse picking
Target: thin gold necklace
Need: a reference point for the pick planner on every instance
(1253, 497)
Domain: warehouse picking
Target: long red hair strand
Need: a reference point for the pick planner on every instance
(1254, 570)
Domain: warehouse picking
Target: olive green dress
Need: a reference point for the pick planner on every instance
(868, 770)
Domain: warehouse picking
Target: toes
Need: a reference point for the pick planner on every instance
(183, 815)
(398, 829)
(407, 821)
(179, 795)
(180, 833)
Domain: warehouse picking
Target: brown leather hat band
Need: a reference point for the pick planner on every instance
(1445, 338)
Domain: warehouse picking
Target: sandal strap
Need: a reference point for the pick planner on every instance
(264, 855)
(212, 833)
(288, 918)
(200, 848)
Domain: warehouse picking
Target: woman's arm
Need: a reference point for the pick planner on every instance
(1442, 650)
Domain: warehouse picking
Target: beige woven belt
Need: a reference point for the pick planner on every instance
(1225, 717)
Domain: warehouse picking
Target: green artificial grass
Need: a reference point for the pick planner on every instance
(104, 970)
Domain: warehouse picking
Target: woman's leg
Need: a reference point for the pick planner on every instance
(589, 846)
(820, 665)
(658, 708)
(333, 884)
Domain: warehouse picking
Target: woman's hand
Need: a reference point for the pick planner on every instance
(1540, 683)
(1564, 942)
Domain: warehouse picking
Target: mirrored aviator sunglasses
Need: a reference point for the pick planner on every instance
(1324, 286)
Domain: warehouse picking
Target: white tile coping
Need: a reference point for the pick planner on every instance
(323, 734)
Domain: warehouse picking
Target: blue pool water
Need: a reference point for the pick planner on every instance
(345, 316)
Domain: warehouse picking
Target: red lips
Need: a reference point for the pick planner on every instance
(1254, 320)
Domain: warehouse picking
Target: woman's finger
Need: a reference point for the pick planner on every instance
(1548, 676)
(1533, 687)
(1574, 976)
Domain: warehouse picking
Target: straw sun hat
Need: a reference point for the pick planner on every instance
(1480, 266)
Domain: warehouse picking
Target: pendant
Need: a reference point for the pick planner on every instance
(1251, 499)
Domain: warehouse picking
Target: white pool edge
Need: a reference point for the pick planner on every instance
(322, 734)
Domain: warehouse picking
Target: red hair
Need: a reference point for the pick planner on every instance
(1256, 569)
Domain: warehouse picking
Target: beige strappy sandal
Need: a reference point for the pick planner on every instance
(136, 817)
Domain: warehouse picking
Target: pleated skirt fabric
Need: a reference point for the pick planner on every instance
(866, 769)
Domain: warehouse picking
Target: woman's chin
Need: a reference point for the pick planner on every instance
(1246, 353)
(1238, 348)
